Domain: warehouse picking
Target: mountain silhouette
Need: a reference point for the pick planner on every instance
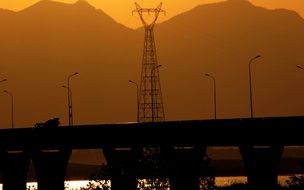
(220, 39)
(56, 11)
(44, 43)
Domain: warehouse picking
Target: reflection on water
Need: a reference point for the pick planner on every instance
(226, 181)
(71, 185)
(220, 181)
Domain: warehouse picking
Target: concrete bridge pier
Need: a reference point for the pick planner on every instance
(122, 164)
(50, 167)
(186, 165)
(14, 167)
(262, 166)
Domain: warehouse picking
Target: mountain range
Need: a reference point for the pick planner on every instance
(43, 44)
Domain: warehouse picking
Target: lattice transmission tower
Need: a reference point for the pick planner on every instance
(151, 107)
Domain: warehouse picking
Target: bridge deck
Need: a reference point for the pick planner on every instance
(222, 132)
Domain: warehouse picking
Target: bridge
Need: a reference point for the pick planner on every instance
(181, 148)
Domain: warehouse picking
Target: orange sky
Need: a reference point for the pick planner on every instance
(120, 10)
(23, 44)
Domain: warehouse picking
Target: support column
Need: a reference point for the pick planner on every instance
(122, 164)
(14, 168)
(262, 166)
(186, 168)
(51, 168)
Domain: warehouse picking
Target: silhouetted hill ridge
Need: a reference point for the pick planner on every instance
(233, 12)
(6, 11)
(52, 11)
(235, 22)
(53, 28)
(46, 5)
(221, 38)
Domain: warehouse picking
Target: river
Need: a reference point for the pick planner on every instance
(220, 181)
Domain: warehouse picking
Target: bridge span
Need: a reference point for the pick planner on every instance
(178, 149)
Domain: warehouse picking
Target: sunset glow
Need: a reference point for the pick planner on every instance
(120, 10)
(44, 42)
(153, 93)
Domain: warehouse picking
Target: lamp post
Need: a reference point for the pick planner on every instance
(70, 108)
(12, 106)
(152, 90)
(137, 98)
(214, 92)
(250, 89)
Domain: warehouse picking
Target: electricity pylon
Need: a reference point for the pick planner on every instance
(151, 107)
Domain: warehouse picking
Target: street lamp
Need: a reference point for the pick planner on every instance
(12, 105)
(137, 98)
(250, 90)
(152, 90)
(214, 92)
(70, 108)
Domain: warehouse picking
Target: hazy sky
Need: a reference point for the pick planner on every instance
(120, 10)
(34, 50)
